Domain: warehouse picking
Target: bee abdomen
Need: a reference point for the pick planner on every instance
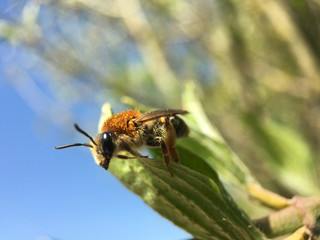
(179, 126)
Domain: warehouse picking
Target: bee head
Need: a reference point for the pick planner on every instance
(105, 148)
(102, 147)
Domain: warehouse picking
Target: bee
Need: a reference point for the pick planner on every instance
(131, 129)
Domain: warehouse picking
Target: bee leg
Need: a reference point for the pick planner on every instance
(174, 154)
(170, 139)
(134, 153)
(127, 148)
(125, 157)
(165, 154)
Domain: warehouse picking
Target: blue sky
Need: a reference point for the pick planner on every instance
(50, 194)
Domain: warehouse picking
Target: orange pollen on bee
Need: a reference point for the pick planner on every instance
(121, 123)
(162, 120)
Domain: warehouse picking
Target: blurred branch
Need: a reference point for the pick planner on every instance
(303, 211)
(37, 99)
(140, 29)
(298, 235)
(285, 29)
(267, 198)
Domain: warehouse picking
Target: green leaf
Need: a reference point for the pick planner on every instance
(191, 200)
(194, 199)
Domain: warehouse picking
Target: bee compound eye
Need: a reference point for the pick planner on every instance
(107, 143)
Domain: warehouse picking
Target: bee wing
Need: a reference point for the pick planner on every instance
(148, 116)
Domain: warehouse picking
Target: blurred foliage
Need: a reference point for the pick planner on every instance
(255, 65)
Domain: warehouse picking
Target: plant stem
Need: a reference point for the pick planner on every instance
(303, 211)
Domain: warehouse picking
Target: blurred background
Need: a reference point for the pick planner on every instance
(255, 65)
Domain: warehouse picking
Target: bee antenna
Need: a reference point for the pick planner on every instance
(84, 133)
(74, 145)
